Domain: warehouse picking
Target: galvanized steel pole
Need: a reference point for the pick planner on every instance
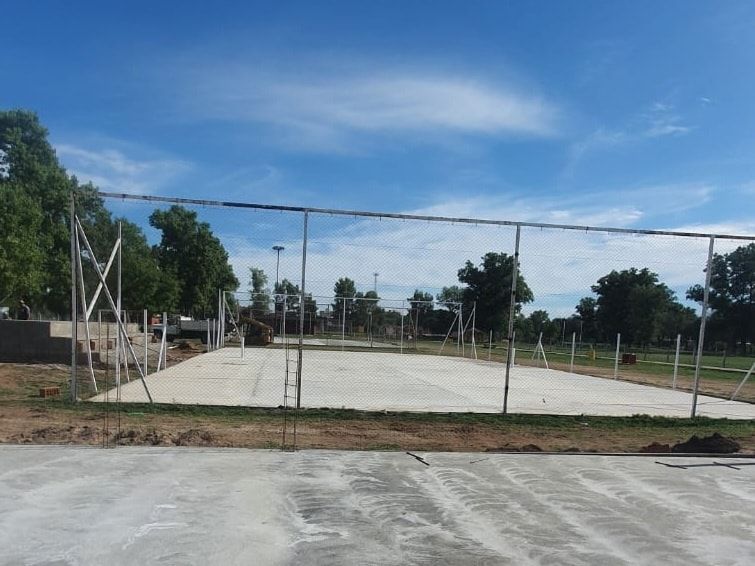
(301, 311)
(512, 311)
(703, 319)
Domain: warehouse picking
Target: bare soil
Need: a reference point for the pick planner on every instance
(27, 419)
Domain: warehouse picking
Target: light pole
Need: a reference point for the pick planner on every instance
(278, 249)
(375, 287)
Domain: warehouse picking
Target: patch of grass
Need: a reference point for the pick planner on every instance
(550, 422)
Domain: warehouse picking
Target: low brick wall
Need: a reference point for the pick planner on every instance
(42, 341)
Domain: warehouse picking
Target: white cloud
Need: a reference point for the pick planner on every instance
(113, 170)
(559, 265)
(326, 109)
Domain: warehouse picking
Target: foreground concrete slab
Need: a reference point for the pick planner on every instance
(377, 380)
(66, 505)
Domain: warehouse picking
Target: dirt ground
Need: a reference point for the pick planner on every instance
(27, 419)
(37, 424)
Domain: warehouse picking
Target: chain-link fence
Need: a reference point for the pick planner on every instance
(386, 312)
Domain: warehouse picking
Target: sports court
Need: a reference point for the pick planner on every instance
(390, 381)
(74, 505)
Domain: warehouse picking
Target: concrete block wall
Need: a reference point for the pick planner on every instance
(42, 341)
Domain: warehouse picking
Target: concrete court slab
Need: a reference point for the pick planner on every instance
(389, 381)
(71, 505)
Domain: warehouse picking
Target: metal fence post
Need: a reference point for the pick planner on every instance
(74, 290)
(703, 318)
(676, 360)
(573, 347)
(616, 360)
(301, 310)
(512, 310)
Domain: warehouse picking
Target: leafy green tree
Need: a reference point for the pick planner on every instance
(35, 193)
(293, 299)
(633, 302)
(33, 179)
(587, 314)
(450, 295)
(195, 256)
(21, 262)
(259, 291)
(489, 286)
(421, 301)
(365, 308)
(345, 290)
(732, 295)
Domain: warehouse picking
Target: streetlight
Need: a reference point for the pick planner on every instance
(278, 249)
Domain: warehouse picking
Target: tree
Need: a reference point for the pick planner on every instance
(37, 190)
(365, 307)
(195, 256)
(35, 193)
(421, 301)
(21, 262)
(489, 286)
(259, 291)
(732, 295)
(587, 313)
(450, 295)
(293, 298)
(634, 303)
(344, 291)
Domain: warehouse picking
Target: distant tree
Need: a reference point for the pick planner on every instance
(344, 291)
(365, 306)
(540, 322)
(421, 301)
(587, 314)
(489, 286)
(632, 302)
(732, 295)
(292, 294)
(450, 295)
(190, 250)
(259, 291)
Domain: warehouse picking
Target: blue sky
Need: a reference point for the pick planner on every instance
(635, 114)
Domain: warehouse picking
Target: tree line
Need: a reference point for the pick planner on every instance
(181, 273)
(184, 270)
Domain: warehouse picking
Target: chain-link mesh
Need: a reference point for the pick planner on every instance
(412, 315)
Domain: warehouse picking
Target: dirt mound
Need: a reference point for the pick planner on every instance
(713, 444)
(189, 347)
(138, 438)
(195, 437)
(655, 448)
(58, 435)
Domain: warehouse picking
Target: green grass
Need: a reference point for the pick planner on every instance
(248, 414)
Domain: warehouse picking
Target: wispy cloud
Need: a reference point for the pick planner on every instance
(659, 120)
(112, 169)
(559, 265)
(330, 108)
(662, 120)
